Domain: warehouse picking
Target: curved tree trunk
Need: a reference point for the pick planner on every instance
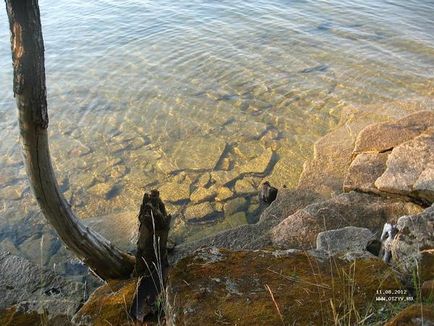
(30, 93)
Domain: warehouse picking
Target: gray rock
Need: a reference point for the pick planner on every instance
(32, 288)
(349, 238)
(41, 248)
(410, 169)
(416, 233)
(300, 230)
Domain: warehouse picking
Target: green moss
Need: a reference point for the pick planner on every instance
(307, 290)
(109, 304)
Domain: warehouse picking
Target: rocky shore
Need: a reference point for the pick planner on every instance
(305, 259)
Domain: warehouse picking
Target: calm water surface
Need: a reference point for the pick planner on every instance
(161, 93)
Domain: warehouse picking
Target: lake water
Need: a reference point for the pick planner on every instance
(201, 99)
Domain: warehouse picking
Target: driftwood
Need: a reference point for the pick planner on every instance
(30, 92)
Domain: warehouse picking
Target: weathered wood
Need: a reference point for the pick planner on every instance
(30, 93)
(153, 234)
(151, 256)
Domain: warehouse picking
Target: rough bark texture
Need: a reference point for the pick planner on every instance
(153, 233)
(30, 93)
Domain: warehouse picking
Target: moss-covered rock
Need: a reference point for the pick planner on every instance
(213, 287)
(108, 305)
(15, 316)
(417, 314)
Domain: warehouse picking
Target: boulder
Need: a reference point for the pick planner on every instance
(414, 315)
(387, 135)
(395, 159)
(349, 238)
(27, 289)
(325, 172)
(108, 305)
(364, 170)
(414, 244)
(300, 229)
(215, 286)
(410, 169)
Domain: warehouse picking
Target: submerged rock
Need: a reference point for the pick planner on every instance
(33, 291)
(235, 205)
(203, 194)
(251, 236)
(224, 193)
(245, 186)
(213, 287)
(196, 153)
(258, 164)
(222, 178)
(199, 212)
(173, 192)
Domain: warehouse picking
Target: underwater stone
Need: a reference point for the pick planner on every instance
(199, 211)
(258, 164)
(245, 186)
(174, 191)
(234, 205)
(202, 194)
(197, 153)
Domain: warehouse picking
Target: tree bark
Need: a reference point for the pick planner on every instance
(30, 92)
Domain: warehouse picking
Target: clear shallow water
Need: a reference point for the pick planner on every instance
(158, 94)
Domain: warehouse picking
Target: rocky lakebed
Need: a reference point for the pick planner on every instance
(312, 257)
